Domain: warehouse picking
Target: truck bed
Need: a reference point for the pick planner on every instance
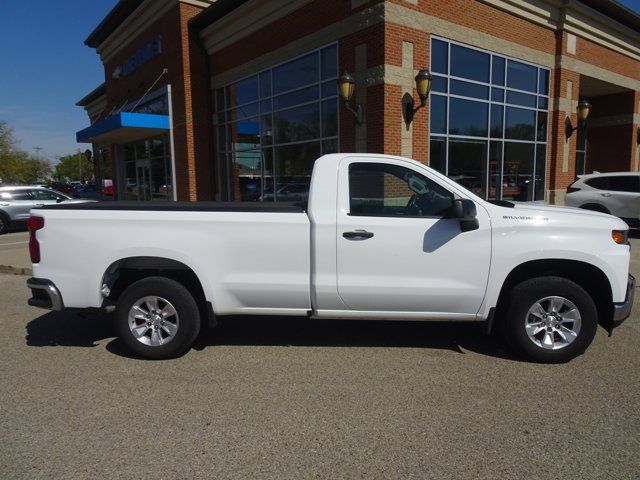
(266, 207)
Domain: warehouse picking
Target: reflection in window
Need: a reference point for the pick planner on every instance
(381, 189)
(289, 118)
(522, 76)
(469, 63)
(296, 74)
(147, 170)
(468, 89)
(541, 168)
(438, 154)
(439, 56)
(468, 117)
(520, 124)
(511, 103)
(517, 178)
(468, 164)
(438, 119)
(495, 170)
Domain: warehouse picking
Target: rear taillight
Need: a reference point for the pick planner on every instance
(571, 189)
(34, 224)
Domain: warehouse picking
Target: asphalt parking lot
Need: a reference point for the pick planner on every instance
(13, 250)
(294, 398)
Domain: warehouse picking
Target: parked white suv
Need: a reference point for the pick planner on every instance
(615, 193)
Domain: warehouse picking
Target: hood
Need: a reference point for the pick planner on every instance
(551, 209)
(573, 215)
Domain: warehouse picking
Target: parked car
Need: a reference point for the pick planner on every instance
(87, 191)
(545, 276)
(16, 203)
(290, 192)
(616, 193)
(60, 187)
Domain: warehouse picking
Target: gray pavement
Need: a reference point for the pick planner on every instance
(14, 252)
(295, 398)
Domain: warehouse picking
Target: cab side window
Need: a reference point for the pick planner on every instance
(378, 189)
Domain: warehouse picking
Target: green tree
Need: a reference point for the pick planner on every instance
(73, 167)
(17, 166)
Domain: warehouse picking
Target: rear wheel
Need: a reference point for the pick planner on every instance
(4, 223)
(157, 318)
(550, 319)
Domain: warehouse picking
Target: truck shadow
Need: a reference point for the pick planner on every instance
(69, 329)
(88, 330)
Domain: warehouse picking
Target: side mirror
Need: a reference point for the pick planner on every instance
(465, 211)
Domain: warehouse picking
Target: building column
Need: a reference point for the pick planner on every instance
(360, 77)
(562, 165)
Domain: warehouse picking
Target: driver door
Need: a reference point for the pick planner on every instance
(397, 251)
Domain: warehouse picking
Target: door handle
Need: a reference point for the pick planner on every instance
(39, 204)
(605, 194)
(358, 234)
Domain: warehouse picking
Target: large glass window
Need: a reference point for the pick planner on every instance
(270, 128)
(489, 121)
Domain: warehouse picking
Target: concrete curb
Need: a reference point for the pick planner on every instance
(8, 269)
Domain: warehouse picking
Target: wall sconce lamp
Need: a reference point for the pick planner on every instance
(346, 87)
(583, 110)
(423, 86)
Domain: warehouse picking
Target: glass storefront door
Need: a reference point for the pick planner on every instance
(148, 173)
(143, 169)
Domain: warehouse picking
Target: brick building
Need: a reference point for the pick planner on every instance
(235, 99)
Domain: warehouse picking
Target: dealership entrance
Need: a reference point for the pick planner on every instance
(148, 173)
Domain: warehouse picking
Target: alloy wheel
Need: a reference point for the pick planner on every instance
(153, 321)
(553, 323)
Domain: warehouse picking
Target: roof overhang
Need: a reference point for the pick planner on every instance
(124, 127)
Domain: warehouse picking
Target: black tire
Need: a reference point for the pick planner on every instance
(525, 295)
(186, 321)
(595, 208)
(4, 223)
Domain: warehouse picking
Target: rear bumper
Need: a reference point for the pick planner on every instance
(621, 311)
(44, 294)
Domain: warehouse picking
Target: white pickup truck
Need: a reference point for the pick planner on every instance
(381, 237)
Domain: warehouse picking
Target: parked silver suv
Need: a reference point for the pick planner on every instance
(617, 193)
(16, 202)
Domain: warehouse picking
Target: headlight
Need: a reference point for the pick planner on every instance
(620, 236)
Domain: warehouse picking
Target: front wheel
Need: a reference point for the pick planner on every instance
(157, 318)
(550, 319)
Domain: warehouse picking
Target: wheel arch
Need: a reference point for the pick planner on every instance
(592, 279)
(126, 271)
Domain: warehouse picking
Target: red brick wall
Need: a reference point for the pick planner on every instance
(310, 18)
(610, 147)
(484, 18)
(188, 75)
(606, 58)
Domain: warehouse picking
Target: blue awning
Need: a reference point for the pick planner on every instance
(124, 127)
